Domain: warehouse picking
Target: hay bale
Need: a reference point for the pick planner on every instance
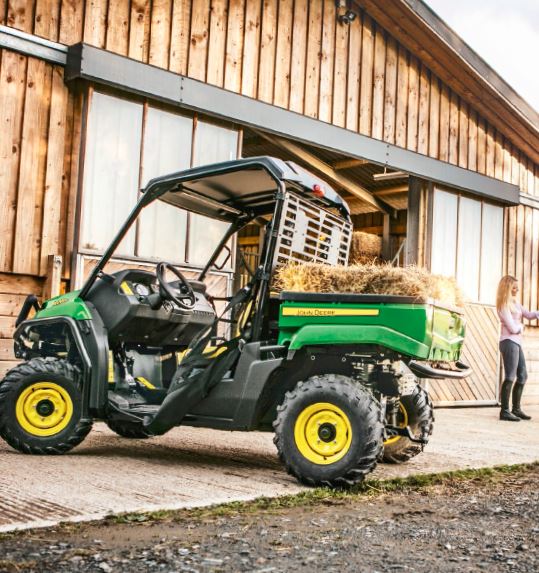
(364, 247)
(368, 279)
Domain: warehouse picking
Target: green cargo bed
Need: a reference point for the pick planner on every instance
(422, 330)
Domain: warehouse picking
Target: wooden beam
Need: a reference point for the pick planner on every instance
(391, 191)
(386, 243)
(348, 163)
(330, 173)
(53, 283)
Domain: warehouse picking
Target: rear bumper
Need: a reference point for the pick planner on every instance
(422, 370)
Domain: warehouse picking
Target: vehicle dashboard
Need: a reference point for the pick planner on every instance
(131, 305)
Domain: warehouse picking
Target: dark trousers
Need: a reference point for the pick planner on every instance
(514, 363)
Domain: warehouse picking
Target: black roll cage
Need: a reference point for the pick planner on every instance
(237, 209)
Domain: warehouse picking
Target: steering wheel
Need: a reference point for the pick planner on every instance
(169, 292)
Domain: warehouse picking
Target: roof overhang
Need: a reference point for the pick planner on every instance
(86, 62)
(419, 29)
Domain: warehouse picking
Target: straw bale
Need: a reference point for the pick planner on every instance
(364, 247)
(371, 278)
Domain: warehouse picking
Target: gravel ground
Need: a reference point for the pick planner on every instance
(481, 524)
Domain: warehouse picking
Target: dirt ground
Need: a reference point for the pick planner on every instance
(488, 523)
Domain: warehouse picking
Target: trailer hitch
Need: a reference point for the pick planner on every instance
(406, 432)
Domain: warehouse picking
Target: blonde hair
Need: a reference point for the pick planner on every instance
(504, 298)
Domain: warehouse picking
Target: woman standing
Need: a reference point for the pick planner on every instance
(511, 313)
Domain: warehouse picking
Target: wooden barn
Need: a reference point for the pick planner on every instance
(434, 152)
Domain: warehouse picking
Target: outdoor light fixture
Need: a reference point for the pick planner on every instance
(345, 15)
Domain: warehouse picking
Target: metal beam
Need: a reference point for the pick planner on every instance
(33, 46)
(102, 67)
(352, 188)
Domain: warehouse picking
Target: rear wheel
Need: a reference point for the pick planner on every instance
(417, 412)
(131, 430)
(329, 431)
(41, 407)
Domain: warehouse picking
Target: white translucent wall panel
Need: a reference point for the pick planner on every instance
(167, 148)
(491, 253)
(212, 143)
(469, 247)
(444, 233)
(111, 171)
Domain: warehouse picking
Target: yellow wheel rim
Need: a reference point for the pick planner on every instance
(403, 422)
(323, 433)
(44, 409)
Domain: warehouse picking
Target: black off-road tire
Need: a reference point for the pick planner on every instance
(418, 406)
(366, 421)
(130, 430)
(18, 379)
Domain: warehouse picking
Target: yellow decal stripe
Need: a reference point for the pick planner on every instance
(146, 383)
(126, 288)
(304, 311)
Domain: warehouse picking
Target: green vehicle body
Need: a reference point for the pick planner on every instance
(68, 304)
(424, 331)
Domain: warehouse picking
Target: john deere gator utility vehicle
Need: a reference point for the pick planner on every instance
(333, 375)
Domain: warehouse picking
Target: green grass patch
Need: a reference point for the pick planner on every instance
(369, 488)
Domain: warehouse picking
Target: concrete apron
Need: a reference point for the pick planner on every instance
(192, 467)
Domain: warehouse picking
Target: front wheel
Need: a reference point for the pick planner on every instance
(41, 407)
(329, 431)
(417, 412)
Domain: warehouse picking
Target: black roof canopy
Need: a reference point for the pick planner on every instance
(241, 187)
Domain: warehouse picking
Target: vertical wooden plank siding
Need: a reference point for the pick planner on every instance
(71, 21)
(139, 30)
(180, 36)
(217, 42)
(443, 152)
(32, 168)
(283, 53)
(314, 47)
(20, 15)
(434, 116)
(118, 23)
(160, 33)
(52, 202)
(46, 19)
(198, 49)
(379, 84)
(481, 146)
(390, 92)
(453, 128)
(325, 104)
(354, 75)
(234, 45)
(424, 103)
(299, 55)
(365, 89)
(12, 84)
(251, 48)
(472, 141)
(266, 73)
(307, 43)
(402, 98)
(413, 104)
(340, 80)
(95, 22)
(463, 135)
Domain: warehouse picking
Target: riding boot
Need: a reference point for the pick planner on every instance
(505, 413)
(517, 395)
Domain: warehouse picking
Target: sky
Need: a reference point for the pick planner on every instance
(504, 33)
